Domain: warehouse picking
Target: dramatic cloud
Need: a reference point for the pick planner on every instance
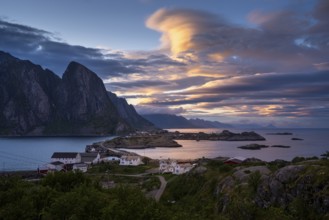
(144, 110)
(44, 48)
(281, 41)
(275, 69)
(260, 94)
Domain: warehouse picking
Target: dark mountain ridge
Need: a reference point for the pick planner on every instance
(34, 101)
(174, 121)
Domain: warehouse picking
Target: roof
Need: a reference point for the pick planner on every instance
(64, 155)
(88, 154)
(185, 165)
(109, 156)
(56, 163)
(80, 165)
(88, 157)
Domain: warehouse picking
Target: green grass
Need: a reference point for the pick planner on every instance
(115, 168)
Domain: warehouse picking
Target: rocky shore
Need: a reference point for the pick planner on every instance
(260, 146)
(223, 136)
(281, 133)
(167, 139)
(140, 142)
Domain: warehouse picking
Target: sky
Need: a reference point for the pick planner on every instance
(235, 61)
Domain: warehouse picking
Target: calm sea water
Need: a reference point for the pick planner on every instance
(315, 143)
(29, 153)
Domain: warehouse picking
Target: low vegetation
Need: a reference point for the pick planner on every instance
(276, 190)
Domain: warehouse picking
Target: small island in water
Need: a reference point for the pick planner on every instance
(141, 140)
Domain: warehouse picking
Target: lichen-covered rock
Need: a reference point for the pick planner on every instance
(286, 187)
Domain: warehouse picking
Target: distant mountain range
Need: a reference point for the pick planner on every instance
(34, 101)
(174, 121)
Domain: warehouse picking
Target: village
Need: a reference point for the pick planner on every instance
(82, 161)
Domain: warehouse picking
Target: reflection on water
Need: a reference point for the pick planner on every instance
(27, 153)
(316, 142)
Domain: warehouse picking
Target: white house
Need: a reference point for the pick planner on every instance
(172, 166)
(130, 161)
(111, 158)
(55, 166)
(181, 168)
(66, 157)
(90, 158)
(80, 167)
(167, 166)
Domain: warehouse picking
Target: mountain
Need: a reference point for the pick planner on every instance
(34, 101)
(209, 124)
(174, 121)
(168, 121)
(254, 126)
(129, 114)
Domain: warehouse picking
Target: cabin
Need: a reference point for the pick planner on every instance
(167, 166)
(82, 167)
(55, 166)
(182, 168)
(111, 158)
(43, 169)
(174, 167)
(90, 158)
(66, 157)
(235, 160)
(130, 160)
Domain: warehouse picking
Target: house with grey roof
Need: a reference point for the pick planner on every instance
(130, 160)
(55, 166)
(66, 157)
(90, 158)
(82, 167)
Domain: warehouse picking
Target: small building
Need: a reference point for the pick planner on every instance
(130, 160)
(111, 158)
(80, 167)
(55, 166)
(43, 169)
(167, 166)
(90, 158)
(174, 167)
(182, 168)
(66, 157)
(235, 160)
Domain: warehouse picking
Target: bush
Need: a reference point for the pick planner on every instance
(298, 159)
(254, 180)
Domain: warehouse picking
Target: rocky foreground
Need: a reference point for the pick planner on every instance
(292, 187)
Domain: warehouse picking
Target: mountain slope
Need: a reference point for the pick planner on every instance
(168, 121)
(174, 121)
(83, 105)
(27, 95)
(209, 124)
(34, 101)
(129, 114)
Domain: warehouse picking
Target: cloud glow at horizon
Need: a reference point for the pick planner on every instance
(276, 70)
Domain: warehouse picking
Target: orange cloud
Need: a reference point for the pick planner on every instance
(181, 31)
(176, 28)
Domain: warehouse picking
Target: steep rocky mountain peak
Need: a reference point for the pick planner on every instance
(34, 101)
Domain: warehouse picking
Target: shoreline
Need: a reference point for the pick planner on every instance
(33, 173)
